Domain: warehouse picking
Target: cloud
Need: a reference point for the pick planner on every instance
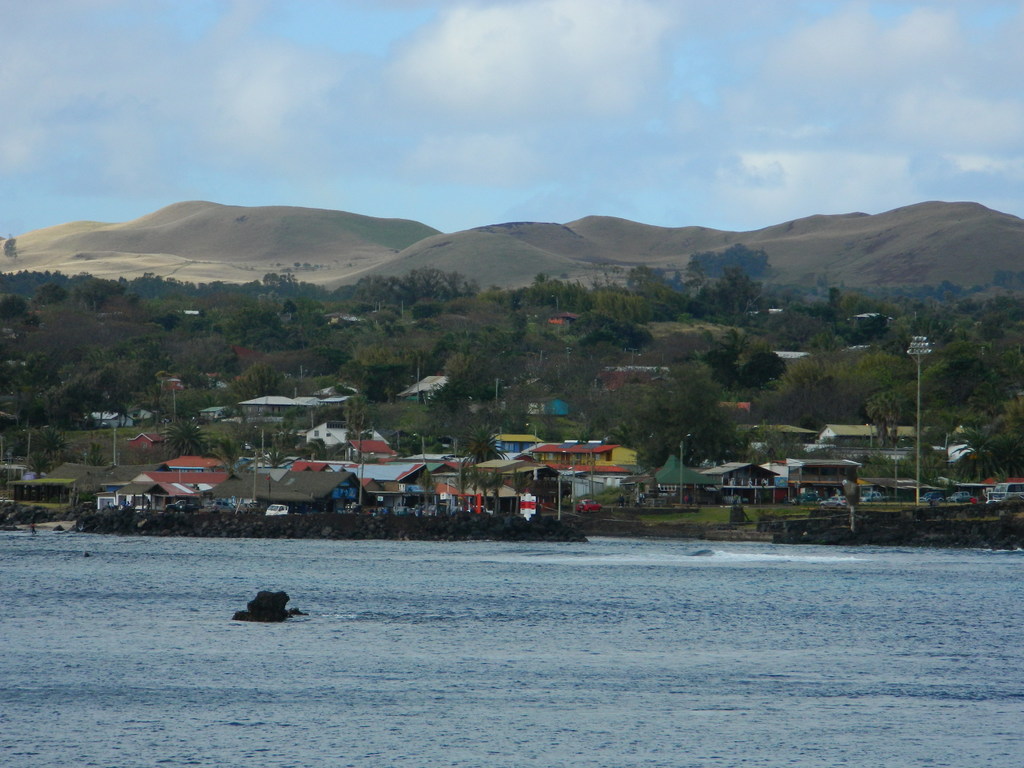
(537, 59)
(770, 187)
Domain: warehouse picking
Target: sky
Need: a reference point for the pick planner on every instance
(734, 114)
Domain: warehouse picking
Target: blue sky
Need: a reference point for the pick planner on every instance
(736, 114)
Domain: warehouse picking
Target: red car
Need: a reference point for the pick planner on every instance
(587, 505)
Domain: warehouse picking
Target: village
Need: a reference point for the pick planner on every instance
(511, 474)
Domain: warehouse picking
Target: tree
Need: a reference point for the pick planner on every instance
(51, 443)
(663, 413)
(12, 306)
(227, 451)
(186, 438)
(11, 248)
(884, 411)
(258, 380)
(481, 445)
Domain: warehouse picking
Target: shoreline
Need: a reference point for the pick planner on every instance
(976, 527)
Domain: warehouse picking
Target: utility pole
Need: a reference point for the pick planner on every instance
(919, 347)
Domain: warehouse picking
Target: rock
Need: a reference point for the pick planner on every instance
(266, 606)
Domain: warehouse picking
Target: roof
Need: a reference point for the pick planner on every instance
(153, 437)
(372, 446)
(269, 400)
(87, 476)
(670, 474)
(395, 471)
(513, 438)
(201, 480)
(193, 461)
(862, 430)
(822, 463)
(574, 448)
(290, 487)
(426, 385)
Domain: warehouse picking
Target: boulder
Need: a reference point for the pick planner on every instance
(267, 606)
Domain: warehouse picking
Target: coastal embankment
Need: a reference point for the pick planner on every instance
(979, 526)
(329, 526)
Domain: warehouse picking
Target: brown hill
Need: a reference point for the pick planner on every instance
(202, 242)
(925, 244)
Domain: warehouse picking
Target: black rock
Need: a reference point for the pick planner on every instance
(266, 606)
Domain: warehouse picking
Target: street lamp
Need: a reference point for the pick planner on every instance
(919, 347)
(682, 443)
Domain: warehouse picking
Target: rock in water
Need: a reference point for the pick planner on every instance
(266, 606)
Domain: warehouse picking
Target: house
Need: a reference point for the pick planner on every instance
(146, 441)
(423, 389)
(267, 408)
(823, 476)
(191, 464)
(675, 482)
(66, 483)
(563, 318)
(369, 450)
(110, 420)
(750, 483)
(303, 492)
(584, 455)
(329, 433)
(395, 486)
(155, 489)
(864, 435)
(214, 413)
(513, 444)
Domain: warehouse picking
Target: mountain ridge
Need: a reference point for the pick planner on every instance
(928, 243)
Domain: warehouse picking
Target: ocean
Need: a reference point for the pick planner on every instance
(614, 653)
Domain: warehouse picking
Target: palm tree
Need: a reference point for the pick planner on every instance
(186, 438)
(95, 457)
(51, 443)
(884, 411)
(227, 451)
(481, 445)
(978, 458)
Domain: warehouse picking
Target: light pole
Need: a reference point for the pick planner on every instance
(681, 443)
(919, 347)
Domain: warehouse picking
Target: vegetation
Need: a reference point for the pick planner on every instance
(651, 361)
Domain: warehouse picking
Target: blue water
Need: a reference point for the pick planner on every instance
(613, 653)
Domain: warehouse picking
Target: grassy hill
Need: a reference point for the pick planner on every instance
(924, 244)
(201, 242)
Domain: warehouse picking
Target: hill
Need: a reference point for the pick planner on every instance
(964, 244)
(203, 242)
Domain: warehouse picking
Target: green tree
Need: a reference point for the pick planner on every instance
(884, 411)
(257, 380)
(688, 403)
(186, 438)
(481, 445)
(227, 451)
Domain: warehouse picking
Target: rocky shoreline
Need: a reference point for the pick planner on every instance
(972, 526)
(329, 526)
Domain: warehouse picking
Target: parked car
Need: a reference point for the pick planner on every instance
(933, 497)
(587, 505)
(277, 509)
(808, 497)
(962, 497)
(182, 505)
(833, 502)
(872, 496)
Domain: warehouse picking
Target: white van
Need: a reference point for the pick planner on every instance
(277, 509)
(1004, 491)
